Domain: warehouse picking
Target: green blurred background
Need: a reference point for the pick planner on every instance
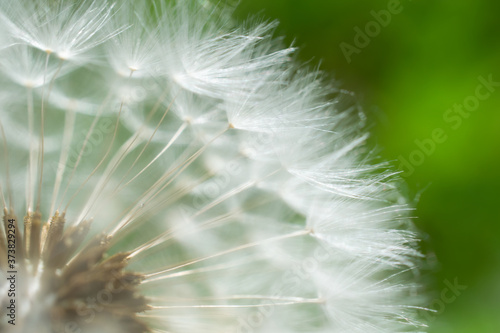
(422, 63)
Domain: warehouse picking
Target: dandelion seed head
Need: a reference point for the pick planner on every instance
(168, 170)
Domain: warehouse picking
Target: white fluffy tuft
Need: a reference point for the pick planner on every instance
(239, 182)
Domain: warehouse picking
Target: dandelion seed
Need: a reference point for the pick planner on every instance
(167, 171)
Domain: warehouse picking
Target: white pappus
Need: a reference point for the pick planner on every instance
(166, 170)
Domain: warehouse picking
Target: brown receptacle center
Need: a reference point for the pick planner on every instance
(86, 289)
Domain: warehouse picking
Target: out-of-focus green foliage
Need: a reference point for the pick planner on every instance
(424, 61)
